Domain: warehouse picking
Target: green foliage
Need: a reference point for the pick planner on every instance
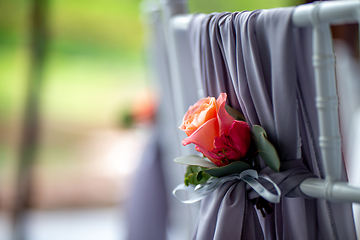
(110, 23)
(235, 167)
(94, 58)
(234, 113)
(266, 150)
(195, 175)
(195, 160)
(256, 130)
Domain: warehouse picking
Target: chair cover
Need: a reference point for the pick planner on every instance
(148, 201)
(153, 213)
(264, 65)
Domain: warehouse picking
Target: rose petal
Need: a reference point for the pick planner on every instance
(206, 114)
(204, 136)
(221, 99)
(225, 148)
(192, 109)
(219, 161)
(240, 135)
(225, 120)
(234, 146)
(202, 111)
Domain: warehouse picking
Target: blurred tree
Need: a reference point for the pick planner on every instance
(30, 131)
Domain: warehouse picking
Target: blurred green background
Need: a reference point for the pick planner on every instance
(95, 49)
(94, 67)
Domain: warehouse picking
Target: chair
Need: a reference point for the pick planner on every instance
(319, 16)
(330, 185)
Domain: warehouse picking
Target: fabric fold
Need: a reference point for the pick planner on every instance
(261, 62)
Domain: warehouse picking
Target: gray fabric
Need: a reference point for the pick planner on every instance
(147, 198)
(153, 213)
(148, 204)
(264, 65)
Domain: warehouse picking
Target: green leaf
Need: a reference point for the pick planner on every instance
(205, 177)
(235, 167)
(195, 175)
(199, 176)
(234, 113)
(256, 130)
(268, 152)
(191, 169)
(195, 160)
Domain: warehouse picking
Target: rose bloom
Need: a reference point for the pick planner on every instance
(215, 133)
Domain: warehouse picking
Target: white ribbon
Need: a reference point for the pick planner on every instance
(249, 176)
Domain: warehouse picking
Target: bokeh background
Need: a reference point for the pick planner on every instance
(96, 105)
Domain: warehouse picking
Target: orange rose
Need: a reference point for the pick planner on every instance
(202, 111)
(215, 133)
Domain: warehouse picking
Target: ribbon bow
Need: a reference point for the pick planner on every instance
(249, 176)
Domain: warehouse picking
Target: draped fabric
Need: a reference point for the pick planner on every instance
(148, 200)
(153, 213)
(263, 63)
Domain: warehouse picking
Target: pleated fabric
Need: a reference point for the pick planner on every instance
(264, 65)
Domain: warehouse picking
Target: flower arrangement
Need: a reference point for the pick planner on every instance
(228, 145)
(216, 134)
